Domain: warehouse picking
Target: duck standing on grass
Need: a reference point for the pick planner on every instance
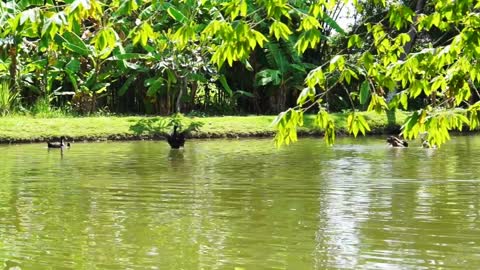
(396, 142)
(60, 144)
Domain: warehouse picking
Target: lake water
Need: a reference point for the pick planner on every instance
(241, 204)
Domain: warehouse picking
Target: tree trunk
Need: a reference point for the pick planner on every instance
(281, 99)
(168, 102)
(183, 85)
(207, 97)
(255, 99)
(412, 32)
(194, 87)
(94, 101)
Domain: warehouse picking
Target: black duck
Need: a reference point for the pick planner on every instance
(60, 144)
(176, 139)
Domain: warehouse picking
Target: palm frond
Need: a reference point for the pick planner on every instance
(288, 47)
(268, 76)
(276, 57)
(333, 24)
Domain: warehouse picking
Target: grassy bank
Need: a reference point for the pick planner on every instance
(32, 129)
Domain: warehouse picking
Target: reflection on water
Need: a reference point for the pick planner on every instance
(226, 204)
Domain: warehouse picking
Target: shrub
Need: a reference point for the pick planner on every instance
(7, 98)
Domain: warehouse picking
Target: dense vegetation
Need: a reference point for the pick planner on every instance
(246, 56)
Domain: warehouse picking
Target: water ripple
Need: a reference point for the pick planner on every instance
(240, 204)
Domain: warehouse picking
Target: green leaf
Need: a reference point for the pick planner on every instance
(75, 43)
(324, 121)
(225, 85)
(126, 85)
(29, 15)
(354, 40)
(176, 14)
(305, 94)
(408, 129)
(154, 85)
(268, 76)
(377, 103)
(364, 92)
(338, 61)
(279, 118)
(309, 23)
(404, 100)
(438, 82)
(127, 7)
(350, 120)
(247, 64)
(280, 30)
(259, 37)
(104, 42)
(244, 93)
(144, 33)
(128, 56)
(171, 77)
(315, 77)
(243, 8)
(52, 25)
(357, 123)
(333, 24)
(363, 123)
(100, 87)
(83, 3)
(73, 79)
(73, 65)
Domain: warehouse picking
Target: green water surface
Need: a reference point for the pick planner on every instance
(241, 204)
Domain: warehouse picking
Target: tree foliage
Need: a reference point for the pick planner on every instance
(445, 74)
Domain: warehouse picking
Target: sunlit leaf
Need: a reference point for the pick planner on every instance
(176, 14)
(364, 92)
(75, 43)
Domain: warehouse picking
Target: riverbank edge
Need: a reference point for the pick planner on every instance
(26, 129)
(159, 137)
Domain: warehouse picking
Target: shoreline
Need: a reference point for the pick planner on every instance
(28, 129)
(197, 136)
(157, 137)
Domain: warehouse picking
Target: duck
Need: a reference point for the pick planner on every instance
(426, 144)
(176, 139)
(396, 142)
(60, 144)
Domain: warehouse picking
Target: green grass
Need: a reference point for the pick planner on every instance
(28, 128)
